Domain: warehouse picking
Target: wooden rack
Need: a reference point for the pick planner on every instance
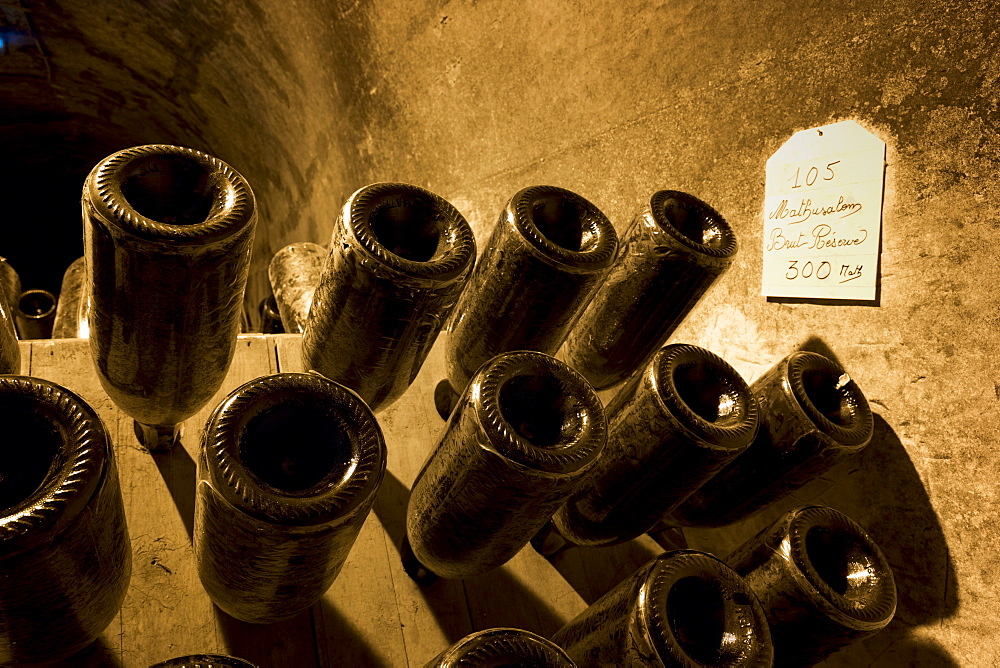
(373, 615)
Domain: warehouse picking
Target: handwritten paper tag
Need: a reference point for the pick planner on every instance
(823, 214)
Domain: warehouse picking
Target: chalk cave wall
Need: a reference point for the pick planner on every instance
(312, 99)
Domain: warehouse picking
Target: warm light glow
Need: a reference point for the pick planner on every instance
(727, 405)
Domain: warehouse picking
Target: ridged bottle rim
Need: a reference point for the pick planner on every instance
(68, 485)
(725, 244)
(754, 648)
(48, 298)
(734, 431)
(456, 250)
(502, 647)
(359, 478)
(859, 425)
(600, 252)
(874, 608)
(232, 210)
(564, 457)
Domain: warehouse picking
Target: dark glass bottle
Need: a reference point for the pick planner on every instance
(548, 253)
(10, 352)
(294, 273)
(270, 317)
(399, 257)
(167, 238)
(10, 283)
(288, 471)
(671, 427)
(822, 581)
(524, 433)
(72, 310)
(684, 608)
(675, 249)
(502, 648)
(10, 291)
(35, 314)
(65, 559)
(812, 416)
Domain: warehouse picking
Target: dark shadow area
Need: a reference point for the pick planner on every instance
(445, 398)
(515, 605)
(95, 655)
(342, 645)
(814, 344)
(829, 302)
(441, 595)
(179, 473)
(894, 646)
(881, 490)
(47, 159)
(288, 643)
(669, 538)
(594, 571)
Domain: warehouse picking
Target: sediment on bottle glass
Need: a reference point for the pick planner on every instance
(10, 284)
(812, 416)
(822, 580)
(683, 608)
(288, 471)
(399, 257)
(672, 253)
(524, 433)
(167, 239)
(294, 272)
(10, 352)
(72, 310)
(670, 429)
(548, 253)
(35, 313)
(65, 558)
(502, 647)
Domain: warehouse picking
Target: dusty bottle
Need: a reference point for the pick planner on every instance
(812, 416)
(670, 428)
(65, 559)
(522, 436)
(399, 257)
(496, 648)
(675, 249)
(288, 471)
(167, 239)
(72, 310)
(294, 273)
(822, 581)
(548, 253)
(35, 314)
(684, 608)
(10, 283)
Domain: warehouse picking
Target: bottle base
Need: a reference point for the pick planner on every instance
(157, 438)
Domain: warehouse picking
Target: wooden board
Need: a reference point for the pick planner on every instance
(373, 615)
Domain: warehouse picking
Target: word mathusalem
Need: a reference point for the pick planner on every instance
(806, 210)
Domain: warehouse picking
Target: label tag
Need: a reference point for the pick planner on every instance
(823, 214)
